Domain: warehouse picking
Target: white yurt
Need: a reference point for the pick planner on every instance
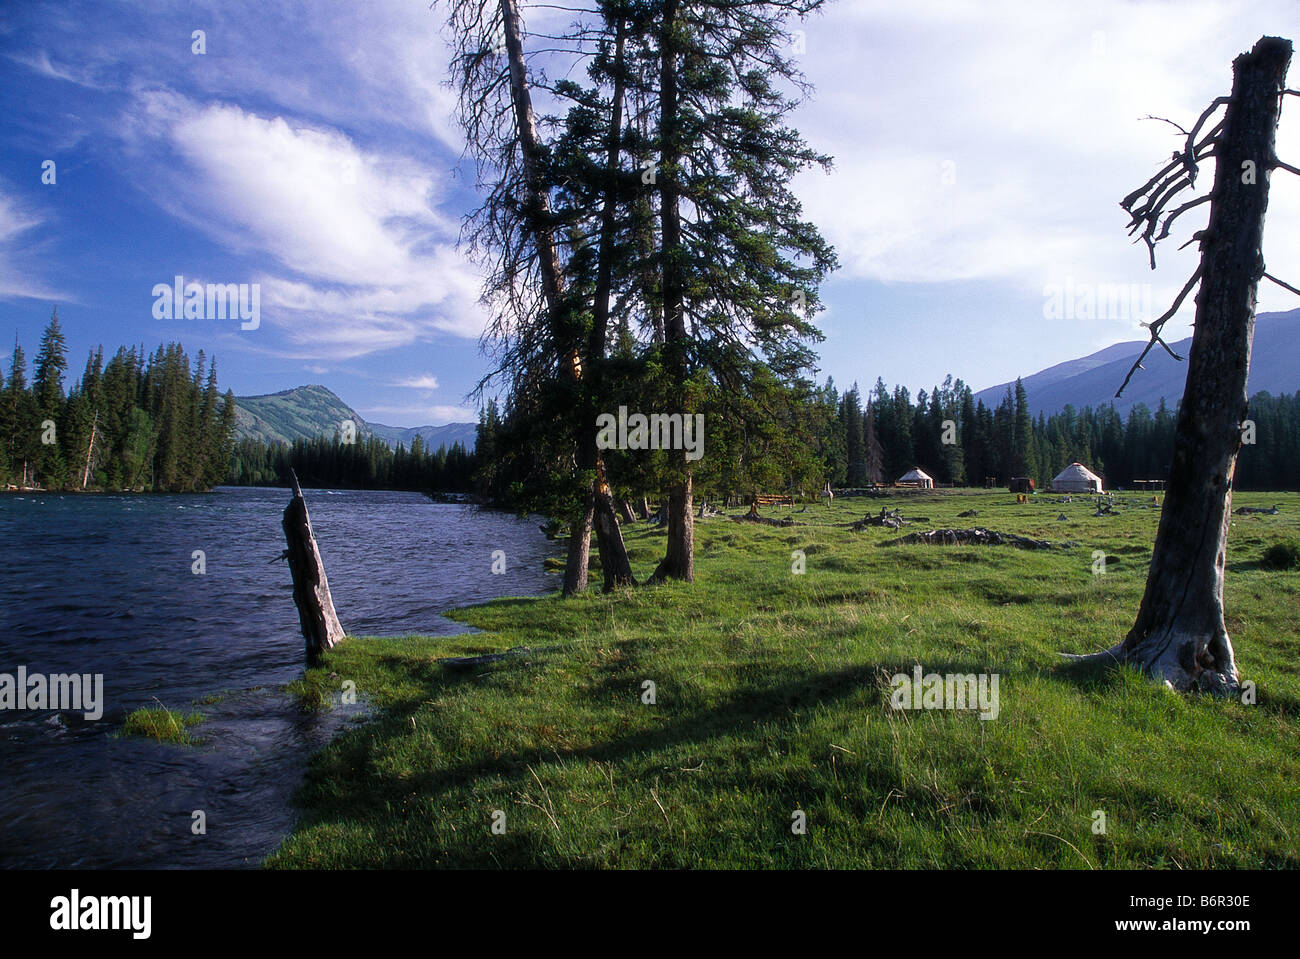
(916, 477)
(1077, 478)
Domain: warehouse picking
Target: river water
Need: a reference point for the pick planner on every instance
(107, 585)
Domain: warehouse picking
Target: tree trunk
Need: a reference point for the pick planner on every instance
(679, 562)
(613, 551)
(1180, 635)
(609, 537)
(311, 589)
(90, 448)
(579, 557)
(539, 208)
(599, 514)
(537, 200)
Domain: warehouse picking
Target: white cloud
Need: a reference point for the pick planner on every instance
(425, 382)
(369, 260)
(1032, 110)
(421, 415)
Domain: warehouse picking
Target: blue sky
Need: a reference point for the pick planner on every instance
(981, 150)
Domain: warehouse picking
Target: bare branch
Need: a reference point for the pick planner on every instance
(1189, 151)
(1177, 175)
(1170, 122)
(1285, 286)
(1164, 232)
(1155, 331)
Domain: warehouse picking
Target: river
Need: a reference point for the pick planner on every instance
(108, 585)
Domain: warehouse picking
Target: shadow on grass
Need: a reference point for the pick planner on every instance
(345, 787)
(1094, 675)
(1106, 675)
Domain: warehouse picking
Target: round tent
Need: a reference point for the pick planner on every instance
(916, 477)
(1077, 478)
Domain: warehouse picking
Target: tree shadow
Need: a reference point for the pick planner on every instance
(346, 787)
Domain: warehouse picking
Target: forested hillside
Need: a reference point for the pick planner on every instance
(138, 422)
(370, 463)
(884, 434)
(798, 438)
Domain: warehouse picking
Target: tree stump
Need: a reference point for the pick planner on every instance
(311, 589)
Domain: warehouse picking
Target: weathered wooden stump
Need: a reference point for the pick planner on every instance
(311, 589)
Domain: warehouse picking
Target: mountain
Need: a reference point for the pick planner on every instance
(1092, 380)
(300, 413)
(434, 436)
(305, 412)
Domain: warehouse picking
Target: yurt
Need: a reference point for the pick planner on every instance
(917, 478)
(1076, 478)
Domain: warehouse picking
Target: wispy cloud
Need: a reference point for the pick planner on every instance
(425, 382)
(22, 261)
(39, 61)
(979, 141)
(369, 257)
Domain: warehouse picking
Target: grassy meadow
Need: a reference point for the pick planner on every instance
(772, 696)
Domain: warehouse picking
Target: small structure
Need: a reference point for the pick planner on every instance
(1077, 478)
(916, 478)
(1022, 484)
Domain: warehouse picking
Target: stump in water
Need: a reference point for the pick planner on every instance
(311, 590)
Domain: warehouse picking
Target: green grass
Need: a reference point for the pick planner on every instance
(773, 696)
(162, 724)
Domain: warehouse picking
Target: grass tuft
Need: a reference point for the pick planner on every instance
(1281, 556)
(162, 724)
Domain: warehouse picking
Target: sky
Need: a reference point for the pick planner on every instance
(981, 150)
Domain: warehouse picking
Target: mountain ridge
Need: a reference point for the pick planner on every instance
(1093, 379)
(305, 412)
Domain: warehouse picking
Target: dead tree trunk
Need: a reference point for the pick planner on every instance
(311, 590)
(90, 449)
(1180, 635)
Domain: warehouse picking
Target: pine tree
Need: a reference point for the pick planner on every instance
(874, 454)
(1023, 437)
(21, 420)
(47, 390)
(854, 445)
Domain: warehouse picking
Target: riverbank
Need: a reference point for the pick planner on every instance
(772, 710)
